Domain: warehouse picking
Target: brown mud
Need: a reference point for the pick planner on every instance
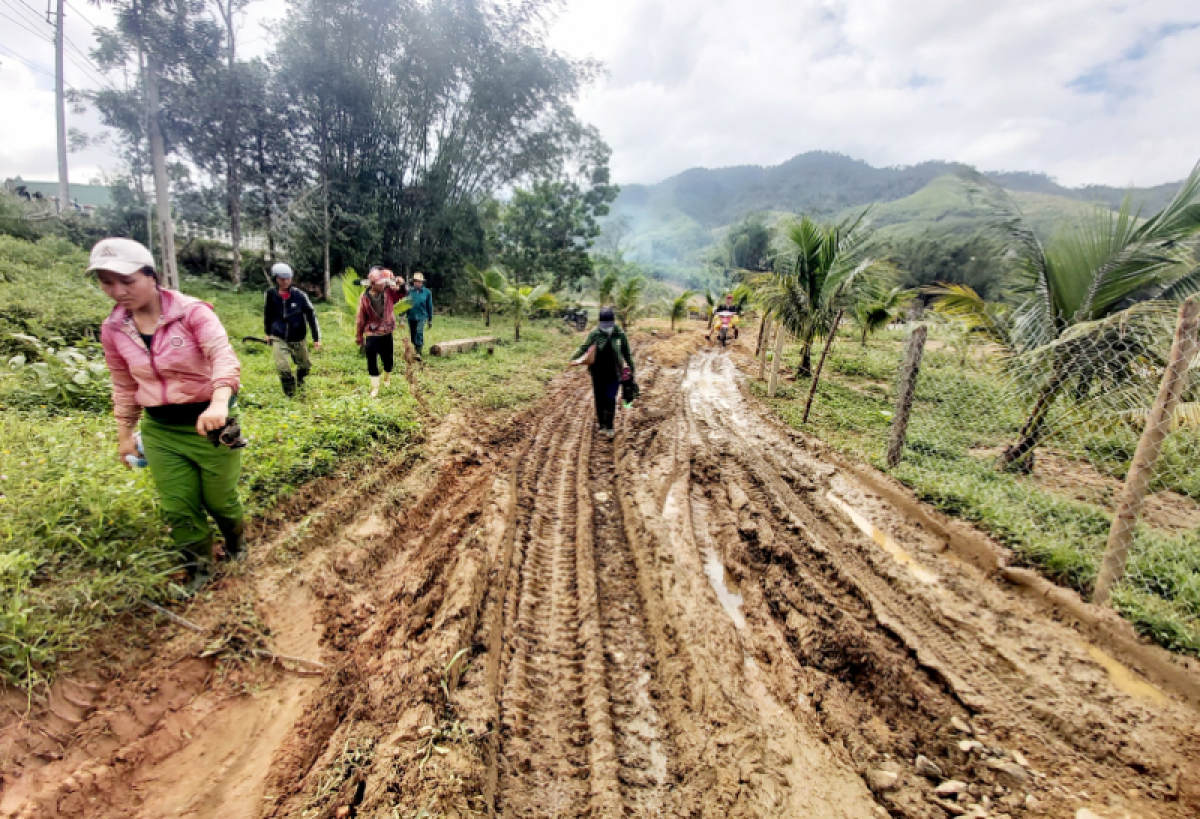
(704, 616)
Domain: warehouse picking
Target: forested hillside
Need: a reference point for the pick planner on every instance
(675, 221)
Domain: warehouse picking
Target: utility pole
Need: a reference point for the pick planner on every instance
(60, 110)
(162, 190)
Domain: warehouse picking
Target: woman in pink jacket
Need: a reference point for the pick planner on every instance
(172, 363)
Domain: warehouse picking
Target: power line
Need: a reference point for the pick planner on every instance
(37, 34)
(37, 15)
(28, 62)
(90, 70)
(79, 14)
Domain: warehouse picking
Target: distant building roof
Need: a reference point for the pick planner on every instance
(87, 196)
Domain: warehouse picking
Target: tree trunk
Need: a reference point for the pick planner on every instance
(235, 235)
(487, 316)
(805, 370)
(325, 205)
(773, 385)
(162, 191)
(812, 392)
(864, 335)
(1019, 456)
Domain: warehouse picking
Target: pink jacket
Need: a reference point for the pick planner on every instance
(190, 358)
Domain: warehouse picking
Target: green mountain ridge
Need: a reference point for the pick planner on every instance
(673, 221)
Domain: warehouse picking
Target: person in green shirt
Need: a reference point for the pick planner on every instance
(612, 364)
(420, 315)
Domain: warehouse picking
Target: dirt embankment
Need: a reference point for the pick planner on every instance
(702, 617)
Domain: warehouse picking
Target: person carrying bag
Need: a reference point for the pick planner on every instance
(606, 354)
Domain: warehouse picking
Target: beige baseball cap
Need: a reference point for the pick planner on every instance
(122, 256)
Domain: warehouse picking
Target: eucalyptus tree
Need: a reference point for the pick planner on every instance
(414, 113)
(1091, 306)
(165, 44)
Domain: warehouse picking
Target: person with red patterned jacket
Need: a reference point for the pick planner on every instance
(376, 322)
(173, 369)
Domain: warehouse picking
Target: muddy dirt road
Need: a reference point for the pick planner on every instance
(702, 617)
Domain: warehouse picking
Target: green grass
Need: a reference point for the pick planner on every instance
(81, 542)
(961, 415)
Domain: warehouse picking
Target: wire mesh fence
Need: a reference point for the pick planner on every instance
(1035, 447)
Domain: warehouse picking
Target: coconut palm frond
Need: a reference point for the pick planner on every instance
(960, 304)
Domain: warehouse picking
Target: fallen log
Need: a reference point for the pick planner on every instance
(462, 345)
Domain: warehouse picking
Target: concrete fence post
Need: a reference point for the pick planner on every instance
(773, 384)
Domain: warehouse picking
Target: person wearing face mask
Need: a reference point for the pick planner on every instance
(376, 322)
(605, 352)
(173, 369)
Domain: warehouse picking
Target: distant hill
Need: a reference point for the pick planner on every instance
(673, 220)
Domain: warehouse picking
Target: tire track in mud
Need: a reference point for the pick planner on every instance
(894, 666)
(578, 730)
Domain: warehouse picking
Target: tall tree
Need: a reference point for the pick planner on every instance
(414, 113)
(167, 42)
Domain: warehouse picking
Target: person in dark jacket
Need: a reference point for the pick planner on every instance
(287, 317)
(420, 314)
(613, 363)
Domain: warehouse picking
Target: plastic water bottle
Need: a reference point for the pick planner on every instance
(137, 461)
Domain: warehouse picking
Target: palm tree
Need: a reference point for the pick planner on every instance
(606, 287)
(484, 284)
(1090, 304)
(627, 301)
(874, 311)
(678, 309)
(817, 268)
(523, 301)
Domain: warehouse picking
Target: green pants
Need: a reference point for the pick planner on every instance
(193, 477)
(287, 352)
(416, 334)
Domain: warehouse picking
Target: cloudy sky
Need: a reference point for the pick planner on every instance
(1104, 91)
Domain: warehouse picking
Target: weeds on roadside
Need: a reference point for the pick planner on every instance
(81, 540)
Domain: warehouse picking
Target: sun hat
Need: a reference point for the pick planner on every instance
(122, 256)
(418, 277)
(281, 271)
(607, 319)
(379, 274)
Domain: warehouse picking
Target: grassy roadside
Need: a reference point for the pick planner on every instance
(80, 538)
(962, 416)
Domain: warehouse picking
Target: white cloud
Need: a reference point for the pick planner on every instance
(1086, 90)
(991, 82)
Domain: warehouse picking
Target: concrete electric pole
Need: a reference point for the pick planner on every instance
(64, 184)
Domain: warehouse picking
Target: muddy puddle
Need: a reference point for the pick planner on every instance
(883, 540)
